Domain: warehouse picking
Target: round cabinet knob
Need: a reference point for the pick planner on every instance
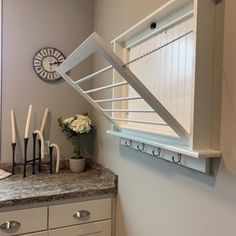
(82, 215)
(9, 226)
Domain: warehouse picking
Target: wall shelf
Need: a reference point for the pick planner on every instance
(175, 148)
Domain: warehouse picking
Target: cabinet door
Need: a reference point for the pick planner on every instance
(64, 215)
(92, 229)
(45, 233)
(23, 221)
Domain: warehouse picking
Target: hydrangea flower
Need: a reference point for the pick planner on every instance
(76, 127)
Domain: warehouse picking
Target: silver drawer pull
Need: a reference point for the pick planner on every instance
(10, 225)
(83, 214)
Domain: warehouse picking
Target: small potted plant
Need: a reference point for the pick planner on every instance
(76, 128)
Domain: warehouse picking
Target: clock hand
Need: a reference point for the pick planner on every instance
(54, 63)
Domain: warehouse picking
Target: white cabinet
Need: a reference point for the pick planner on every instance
(92, 229)
(23, 221)
(172, 54)
(91, 217)
(79, 213)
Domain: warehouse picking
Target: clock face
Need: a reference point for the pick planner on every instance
(45, 62)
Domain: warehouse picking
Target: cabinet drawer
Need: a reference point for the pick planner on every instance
(92, 229)
(23, 221)
(81, 212)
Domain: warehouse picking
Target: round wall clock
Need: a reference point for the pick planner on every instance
(45, 62)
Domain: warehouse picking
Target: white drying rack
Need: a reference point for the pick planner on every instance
(181, 155)
(95, 44)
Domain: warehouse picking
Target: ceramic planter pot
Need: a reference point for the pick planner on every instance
(77, 165)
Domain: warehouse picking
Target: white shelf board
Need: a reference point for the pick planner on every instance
(147, 33)
(170, 7)
(185, 150)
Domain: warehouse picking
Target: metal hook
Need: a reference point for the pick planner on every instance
(128, 145)
(179, 159)
(158, 152)
(141, 148)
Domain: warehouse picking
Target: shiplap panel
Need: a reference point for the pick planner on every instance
(167, 73)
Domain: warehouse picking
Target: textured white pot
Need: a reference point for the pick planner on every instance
(77, 165)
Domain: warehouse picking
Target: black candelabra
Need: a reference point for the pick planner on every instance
(36, 158)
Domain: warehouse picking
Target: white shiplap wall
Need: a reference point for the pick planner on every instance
(167, 73)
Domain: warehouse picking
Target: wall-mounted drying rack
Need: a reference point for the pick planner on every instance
(162, 86)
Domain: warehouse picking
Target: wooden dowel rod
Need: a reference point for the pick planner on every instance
(92, 75)
(105, 87)
(118, 99)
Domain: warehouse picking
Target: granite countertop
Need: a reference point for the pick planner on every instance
(44, 187)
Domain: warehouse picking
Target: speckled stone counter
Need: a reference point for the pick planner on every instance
(43, 187)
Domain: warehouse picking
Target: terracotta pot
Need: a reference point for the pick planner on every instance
(77, 165)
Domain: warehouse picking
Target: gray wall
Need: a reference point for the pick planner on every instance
(29, 25)
(228, 89)
(155, 197)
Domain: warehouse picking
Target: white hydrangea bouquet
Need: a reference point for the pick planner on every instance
(76, 128)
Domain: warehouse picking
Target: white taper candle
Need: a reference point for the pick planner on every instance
(44, 120)
(58, 156)
(42, 142)
(13, 127)
(28, 122)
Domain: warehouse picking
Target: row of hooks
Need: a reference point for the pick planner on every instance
(155, 153)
